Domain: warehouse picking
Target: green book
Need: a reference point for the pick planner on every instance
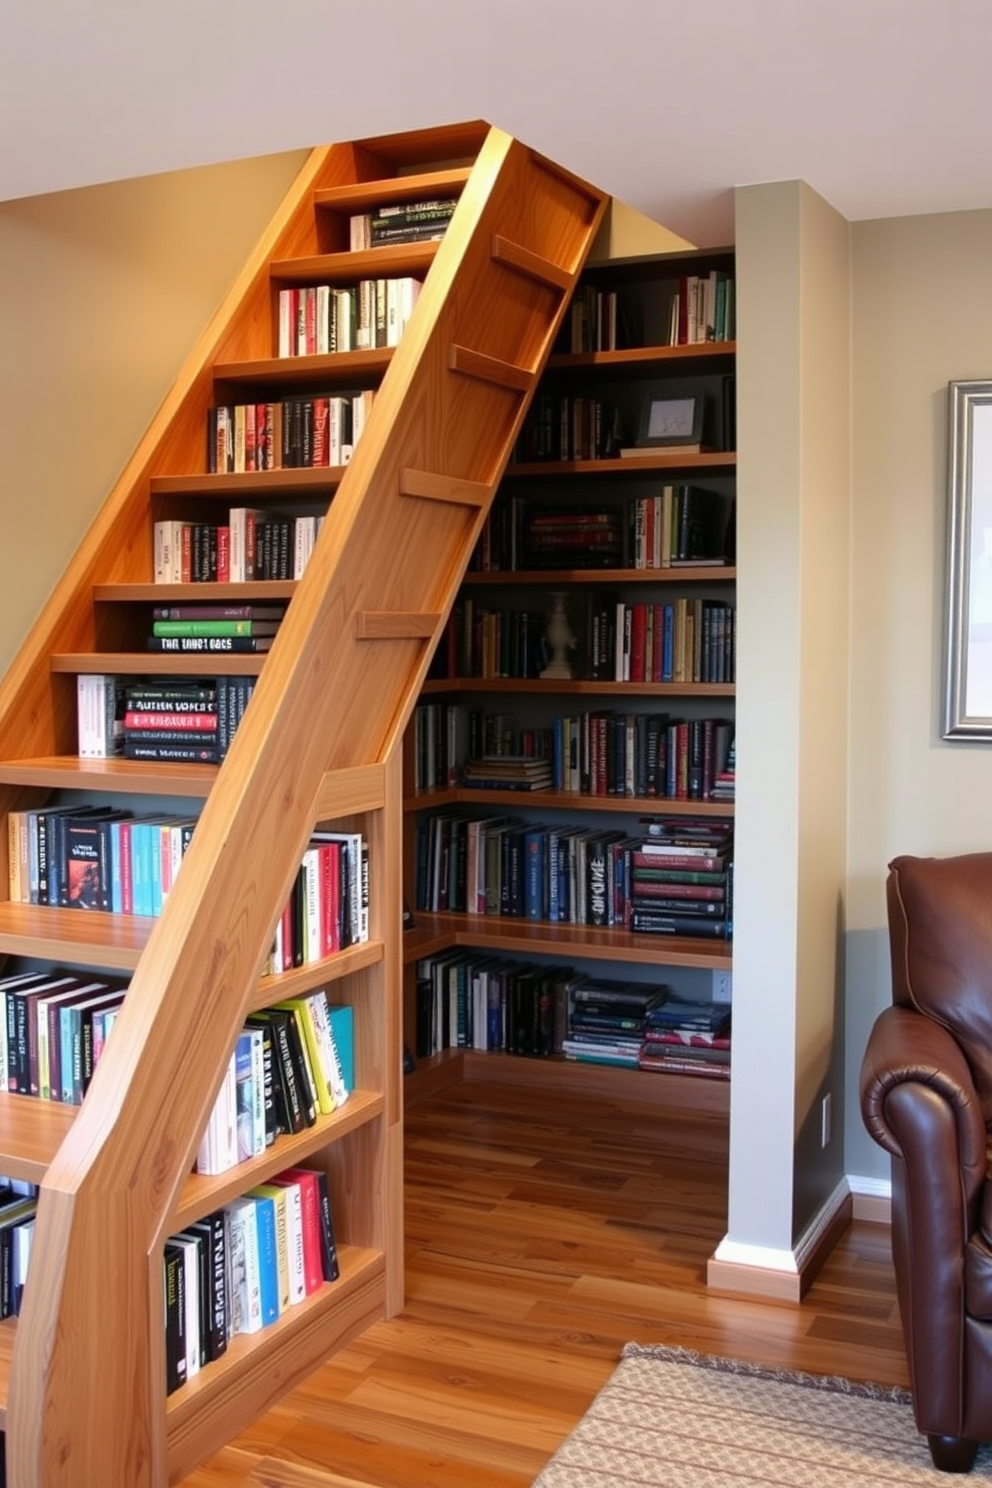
(214, 627)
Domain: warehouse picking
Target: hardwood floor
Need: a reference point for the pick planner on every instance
(542, 1234)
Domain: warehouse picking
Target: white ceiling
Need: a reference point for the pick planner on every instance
(881, 105)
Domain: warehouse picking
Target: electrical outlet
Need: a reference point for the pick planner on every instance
(721, 987)
(825, 1114)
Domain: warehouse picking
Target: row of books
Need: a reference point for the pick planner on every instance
(316, 319)
(569, 426)
(242, 1267)
(316, 430)
(54, 1027)
(252, 544)
(687, 640)
(106, 858)
(184, 719)
(466, 999)
(594, 753)
(679, 525)
(679, 883)
(328, 905)
(291, 1062)
(401, 222)
(18, 1207)
(700, 307)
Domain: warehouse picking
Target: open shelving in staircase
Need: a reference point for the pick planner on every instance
(82, 1386)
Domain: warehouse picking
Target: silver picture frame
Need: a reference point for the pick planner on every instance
(968, 637)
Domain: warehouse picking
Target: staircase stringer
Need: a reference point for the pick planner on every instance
(86, 1403)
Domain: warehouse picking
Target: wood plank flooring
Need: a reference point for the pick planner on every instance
(542, 1235)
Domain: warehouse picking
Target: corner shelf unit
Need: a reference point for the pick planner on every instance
(570, 484)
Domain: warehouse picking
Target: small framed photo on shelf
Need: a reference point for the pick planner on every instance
(671, 417)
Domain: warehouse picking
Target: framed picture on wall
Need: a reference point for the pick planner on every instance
(968, 633)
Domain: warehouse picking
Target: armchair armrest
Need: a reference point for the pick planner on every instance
(907, 1048)
(918, 1101)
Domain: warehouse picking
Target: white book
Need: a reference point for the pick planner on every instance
(190, 1248)
(323, 313)
(246, 1290)
(258, 1090)
(285, 322)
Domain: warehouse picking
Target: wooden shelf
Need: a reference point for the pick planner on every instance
(147, 664)
(675, 1092)
(576, 687)
(140, 777)
(273, 485)
(389, 260)
(700, 356)
(202, 1193)
(114, 942)
(362, 196)
(31, 1132)
(265, 590)
(331, 369)
(716, 573)
(528, 937)
(565, 801)
(715, 460)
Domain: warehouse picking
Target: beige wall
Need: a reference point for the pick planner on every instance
(922, 318)
(103, 292)
(793, 416)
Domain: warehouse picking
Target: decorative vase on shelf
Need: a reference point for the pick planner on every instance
(560, 637)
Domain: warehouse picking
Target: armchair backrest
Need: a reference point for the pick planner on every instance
(940, 936)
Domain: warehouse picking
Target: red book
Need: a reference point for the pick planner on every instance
(223, 555)
(186, 553)
(321, 430)
(330, 899)
(638, 639)
(313, 1266)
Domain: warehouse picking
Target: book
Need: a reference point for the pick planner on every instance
(174, 1284)
(214, 628)
(206, 645)
(243, 1271)
(313, 1267)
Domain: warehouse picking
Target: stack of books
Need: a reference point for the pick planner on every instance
(607, 1020)
(509, 772)
(687, 1038)
(401, 222)
(209, 628)
(682, 878)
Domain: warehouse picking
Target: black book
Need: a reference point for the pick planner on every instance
(288, 1102)
(207, 645)
(328, 1246)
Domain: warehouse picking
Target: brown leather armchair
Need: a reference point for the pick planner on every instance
(926, 1097)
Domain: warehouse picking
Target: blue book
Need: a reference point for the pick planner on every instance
(341, 1019)
(535, 842)
(667, 643)
(268, 1257)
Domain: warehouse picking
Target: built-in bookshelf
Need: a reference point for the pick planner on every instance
(316, 750)
(596, 618)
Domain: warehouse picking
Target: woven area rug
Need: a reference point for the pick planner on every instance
(671, 1418)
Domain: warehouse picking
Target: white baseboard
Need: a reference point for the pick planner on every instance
(872, 1198)
(783, 1274)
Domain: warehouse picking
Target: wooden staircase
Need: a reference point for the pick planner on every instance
(83, 1368)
